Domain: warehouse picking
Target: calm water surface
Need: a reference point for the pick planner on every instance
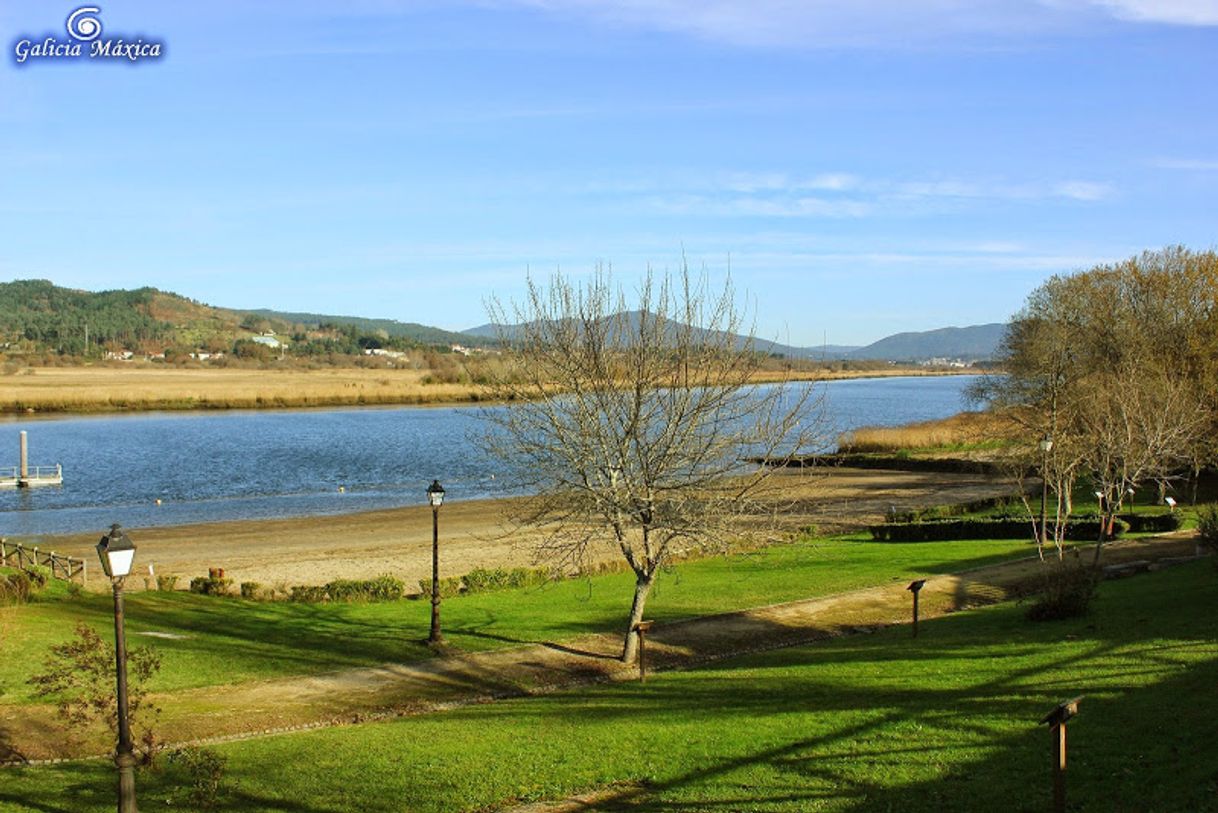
(245, 465)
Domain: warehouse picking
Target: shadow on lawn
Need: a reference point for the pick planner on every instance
(1135, 746)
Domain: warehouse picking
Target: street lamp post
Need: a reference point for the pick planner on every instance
(1046, 446)
(435, 496)
(117, 554)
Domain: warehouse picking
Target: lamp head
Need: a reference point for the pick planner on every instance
(915, 586)
(1046, 444)
(435, 494)
(116, 552)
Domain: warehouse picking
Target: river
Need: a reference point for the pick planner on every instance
(213, 466)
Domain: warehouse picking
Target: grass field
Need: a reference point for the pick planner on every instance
(879, 722)
(231, 640)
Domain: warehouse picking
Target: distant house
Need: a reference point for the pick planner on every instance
(268, 339)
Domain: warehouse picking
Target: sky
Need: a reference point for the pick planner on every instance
(856, 168)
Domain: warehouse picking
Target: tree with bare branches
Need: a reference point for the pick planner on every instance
(630, 425)
(1116, 365)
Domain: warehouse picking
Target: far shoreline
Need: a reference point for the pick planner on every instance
(77, 391)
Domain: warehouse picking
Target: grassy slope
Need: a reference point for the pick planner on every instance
(232, 640)
(881, 722)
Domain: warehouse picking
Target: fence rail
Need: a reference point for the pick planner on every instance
(68, 568)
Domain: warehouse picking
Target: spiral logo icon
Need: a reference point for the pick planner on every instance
(82, 25)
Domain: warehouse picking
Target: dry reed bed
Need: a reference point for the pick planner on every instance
(116, 389)
(967, 429)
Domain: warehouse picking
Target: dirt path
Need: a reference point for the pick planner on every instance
(357, 695)
(315, 550)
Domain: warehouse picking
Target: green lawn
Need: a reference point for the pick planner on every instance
(231, 640)
(877, 722)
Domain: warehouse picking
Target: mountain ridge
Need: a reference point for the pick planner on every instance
(70, 321)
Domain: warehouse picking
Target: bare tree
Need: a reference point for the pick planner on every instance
(1116, 365)
(631, 426)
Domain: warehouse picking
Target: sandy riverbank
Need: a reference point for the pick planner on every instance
(314, 550)
(147, 387)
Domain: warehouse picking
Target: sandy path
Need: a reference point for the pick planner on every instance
(392, 690)
(314, 550)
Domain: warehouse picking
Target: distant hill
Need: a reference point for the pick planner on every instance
(423, 334)
(39, 316)
(974, 343)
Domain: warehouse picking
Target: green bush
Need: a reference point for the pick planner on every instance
(481, 580)
(1068, 589)
(211, 585)
(1207, 526)
(15, 588)
(449, 587)
(251, 590)
(382, 588)
(309, 593)
(39, 576)
(167, 582)
(1082, 528)
(1151, 523)
(204, 770)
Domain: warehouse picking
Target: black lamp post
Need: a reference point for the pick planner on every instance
(1046, 446)
(117, 554)
(435, 496)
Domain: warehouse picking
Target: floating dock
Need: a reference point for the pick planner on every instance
(24, 475)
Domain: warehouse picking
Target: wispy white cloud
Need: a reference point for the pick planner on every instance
(1188, 164)
(1083, 190)
(836, 194)
(1176, 12)
(831, 23)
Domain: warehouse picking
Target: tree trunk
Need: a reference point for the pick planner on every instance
(642, 587)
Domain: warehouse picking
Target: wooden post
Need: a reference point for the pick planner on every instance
(1058, 732)
(1056, 721)
(641, 628)
(25, 458)
(915, 588)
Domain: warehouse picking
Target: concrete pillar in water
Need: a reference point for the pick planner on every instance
(25, 457)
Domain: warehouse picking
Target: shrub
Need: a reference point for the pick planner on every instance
(481, 580)
(167, 583)
(79, 675)
(1082, 528)
(251, 590)
(16, 588)
(449, 587)
(211, 585)
(1067, 592)
(39, 576)
(1151, 523)
(204, 770)
(308, 593)
(1207, 526)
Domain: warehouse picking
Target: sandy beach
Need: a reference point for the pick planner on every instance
(314, 550)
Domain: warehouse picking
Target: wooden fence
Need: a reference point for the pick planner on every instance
(68, 568)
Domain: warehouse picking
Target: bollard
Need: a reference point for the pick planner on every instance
(915, 587)
(642, 628)
(1056, 720)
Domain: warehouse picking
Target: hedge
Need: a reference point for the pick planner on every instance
(1082, 528)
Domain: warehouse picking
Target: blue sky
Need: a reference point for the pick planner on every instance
(864, 168)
